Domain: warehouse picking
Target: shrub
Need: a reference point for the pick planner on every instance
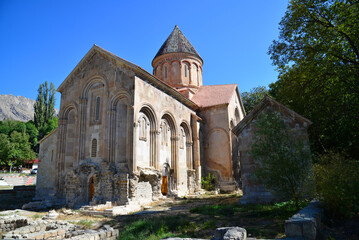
(209, 183)
(337, 182)
(282, 157)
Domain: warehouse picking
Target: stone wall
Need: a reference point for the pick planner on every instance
(216, 146)
(253, 190)
(47, 167)
(16, 197)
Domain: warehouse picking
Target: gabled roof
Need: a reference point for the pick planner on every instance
(213, 95)
(177, 42)
(138, 70)
(268, 101)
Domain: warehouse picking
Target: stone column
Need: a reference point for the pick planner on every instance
(157, 156)
(131, 138)
(196, 146)
(61, 144)
(112, 135)
(82, 124)
(175, 158)
(189, 155)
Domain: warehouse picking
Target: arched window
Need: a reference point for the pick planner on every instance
(97, 109)
(185, 70)
(94, 148)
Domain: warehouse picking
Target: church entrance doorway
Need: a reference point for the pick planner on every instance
(92, 189)
(164, 189)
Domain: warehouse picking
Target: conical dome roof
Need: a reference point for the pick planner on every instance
(177, 42)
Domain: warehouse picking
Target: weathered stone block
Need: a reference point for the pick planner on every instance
(230, 233)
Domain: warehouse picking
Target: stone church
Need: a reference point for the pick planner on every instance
(126, 134)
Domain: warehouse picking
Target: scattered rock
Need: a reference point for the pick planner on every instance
(230, 233)
(51, 215)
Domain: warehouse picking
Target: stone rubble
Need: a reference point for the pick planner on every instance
(19, 227)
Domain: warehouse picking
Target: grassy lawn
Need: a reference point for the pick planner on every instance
(199, 218)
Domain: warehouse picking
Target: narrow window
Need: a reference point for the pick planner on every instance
(166, 72)
(97, 111)
(185, 70)
(94, 148)
(143, 129)
(183, 138)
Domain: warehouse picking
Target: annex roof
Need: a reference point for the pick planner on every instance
(213, 95)
(268, 101)
(177, 42)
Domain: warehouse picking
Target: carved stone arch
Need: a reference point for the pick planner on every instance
(66, 145)
(91, 81)
(171, 120)
(169, 153)
(119, 128)
(175, 60)
(120, 95)
(147, 109)
(67, 109)
(146, 146)
(187, 129)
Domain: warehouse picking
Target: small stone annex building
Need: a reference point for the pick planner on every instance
(125, 134)
(253, 191)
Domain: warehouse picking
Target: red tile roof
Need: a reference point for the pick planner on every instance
(212, 95)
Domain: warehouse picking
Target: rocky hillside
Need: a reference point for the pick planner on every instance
(17, 108)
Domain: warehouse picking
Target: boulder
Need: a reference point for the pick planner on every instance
(230, 233)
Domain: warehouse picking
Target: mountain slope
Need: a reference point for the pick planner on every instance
(16, 108)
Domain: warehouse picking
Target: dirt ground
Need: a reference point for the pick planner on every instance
(223, 211)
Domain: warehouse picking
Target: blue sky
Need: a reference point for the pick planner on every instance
(44, 40)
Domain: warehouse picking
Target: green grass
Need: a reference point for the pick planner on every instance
(281, 210)
(36, 216)
(158, 228)
(85, 223)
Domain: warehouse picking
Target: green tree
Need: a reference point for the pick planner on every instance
(282, 157)
(317, 55)
(4, 145)
(52, 123)
(15, 148)
(33, 133)
(253, 97)
(44, 111)
(40, 108)
(44, 107)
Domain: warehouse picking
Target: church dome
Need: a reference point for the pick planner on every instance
(177, 43)
(177, 62)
